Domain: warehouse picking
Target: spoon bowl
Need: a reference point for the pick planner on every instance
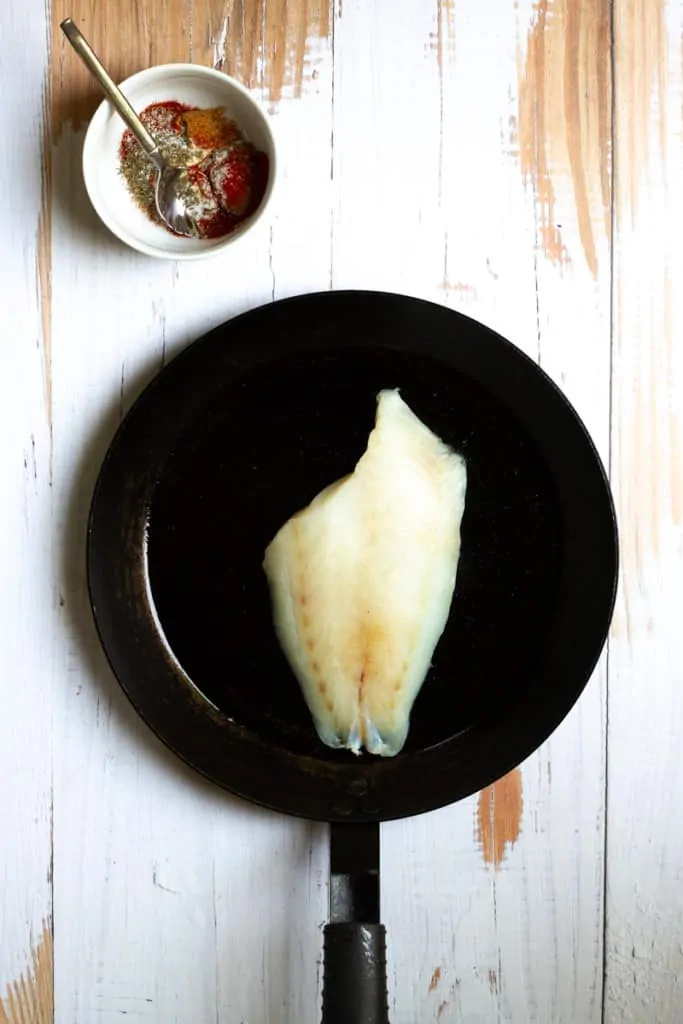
(171, 182)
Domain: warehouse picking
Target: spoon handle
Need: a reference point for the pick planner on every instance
(111, 90)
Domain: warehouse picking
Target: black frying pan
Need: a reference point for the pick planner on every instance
(246, 427)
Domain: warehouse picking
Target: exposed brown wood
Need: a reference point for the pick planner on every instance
(499, 817)
(265, 43)
(564, 122)
(443, 40)
(29, 999)
(642, 75)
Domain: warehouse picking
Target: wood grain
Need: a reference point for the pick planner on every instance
(280, 38)
(644, 901)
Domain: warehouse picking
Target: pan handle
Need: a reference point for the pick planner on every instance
(355, 978)
(354, 954)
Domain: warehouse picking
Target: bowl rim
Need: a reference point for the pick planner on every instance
(88, 161)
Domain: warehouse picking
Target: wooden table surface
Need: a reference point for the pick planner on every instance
(521, 162)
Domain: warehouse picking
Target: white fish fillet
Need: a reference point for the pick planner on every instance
(362, 580)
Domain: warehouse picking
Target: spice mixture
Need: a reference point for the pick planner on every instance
(226, 175)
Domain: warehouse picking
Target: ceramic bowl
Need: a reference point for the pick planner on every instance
(187, 83)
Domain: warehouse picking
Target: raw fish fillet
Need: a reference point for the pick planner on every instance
(362, 580)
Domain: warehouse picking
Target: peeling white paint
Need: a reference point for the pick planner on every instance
(219, 44)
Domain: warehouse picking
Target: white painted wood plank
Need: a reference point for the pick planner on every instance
(27, 599)
(388, 232)
(173, 901)
(301, 243)
(644, 940)
(468, 943)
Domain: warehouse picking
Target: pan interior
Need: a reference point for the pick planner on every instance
(272, 438)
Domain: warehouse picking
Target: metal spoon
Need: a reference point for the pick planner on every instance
(170, 205)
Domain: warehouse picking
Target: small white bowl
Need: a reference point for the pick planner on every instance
(187, 83)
